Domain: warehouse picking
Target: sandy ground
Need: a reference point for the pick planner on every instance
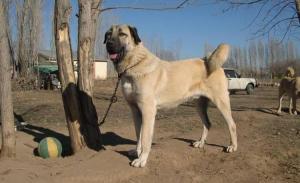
(269, 145)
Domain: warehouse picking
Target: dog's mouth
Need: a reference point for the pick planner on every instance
(116, 56)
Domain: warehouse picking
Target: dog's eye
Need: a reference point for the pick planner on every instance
(121, 34)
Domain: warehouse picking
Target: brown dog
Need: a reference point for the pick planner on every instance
(149, 83)
(289, 85)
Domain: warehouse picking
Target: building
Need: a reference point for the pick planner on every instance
(47, 59)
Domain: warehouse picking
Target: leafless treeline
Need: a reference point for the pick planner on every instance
(263, 60)
(25, 27)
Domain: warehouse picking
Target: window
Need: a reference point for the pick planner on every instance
(230, 73)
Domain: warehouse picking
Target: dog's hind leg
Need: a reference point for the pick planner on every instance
(223, 104)
(202, 110)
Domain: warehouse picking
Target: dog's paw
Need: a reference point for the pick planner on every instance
(139, 163)
(231, 149)
(134, 153)
(198, 144)
(295, 113)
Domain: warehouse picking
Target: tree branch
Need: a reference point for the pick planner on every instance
(286, 31)
(264, 32)
(243, 3)
(276, 15)
(297, 3)
(255, 18)
(180, 5)
(270, 14)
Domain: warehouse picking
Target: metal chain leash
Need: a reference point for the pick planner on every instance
(113, 99)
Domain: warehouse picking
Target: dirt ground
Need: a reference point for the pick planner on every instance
(268, 151)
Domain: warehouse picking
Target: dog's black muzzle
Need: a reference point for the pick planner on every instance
(115, 51)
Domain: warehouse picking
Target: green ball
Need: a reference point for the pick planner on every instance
(49, 147)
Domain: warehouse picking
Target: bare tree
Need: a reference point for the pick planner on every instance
(176, 49)
(22, 9)
(65, 62)
(245, 61)
(29, 32)
(297, 3)
(291, 52)
(8, 148)
(236, 57)
(87, 24)
(35, 31)
(253, 58)
(10, 26)
(260, 56)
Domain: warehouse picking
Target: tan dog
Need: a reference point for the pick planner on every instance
(290, 72)
(289, 85)
(149, 83)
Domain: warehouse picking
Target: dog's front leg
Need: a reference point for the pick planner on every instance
(148, 111)
(137, 118)
(290, 106)
(294, 100)
(280, 97)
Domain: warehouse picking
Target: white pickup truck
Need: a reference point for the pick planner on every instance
(237, 83)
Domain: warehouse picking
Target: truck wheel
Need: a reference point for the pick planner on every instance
(250, 89)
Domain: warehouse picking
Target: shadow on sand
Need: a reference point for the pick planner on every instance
(259, 109)
(189, 141)
(38, 133)
(272, 111)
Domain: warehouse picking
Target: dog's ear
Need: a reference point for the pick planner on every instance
(105, 37)
(134, 34)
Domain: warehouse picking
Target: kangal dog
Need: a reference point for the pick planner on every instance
(149, 83)
(289, 85)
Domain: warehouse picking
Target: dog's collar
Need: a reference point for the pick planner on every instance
(120, 74)
(138, 65)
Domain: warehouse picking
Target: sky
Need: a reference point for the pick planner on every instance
(188, 28)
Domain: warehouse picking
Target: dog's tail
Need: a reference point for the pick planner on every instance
(215, 60)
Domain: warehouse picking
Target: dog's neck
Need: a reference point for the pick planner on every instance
(138, 62)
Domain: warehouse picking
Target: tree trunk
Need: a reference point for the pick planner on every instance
(94, 25)
(65, 62)
(22, 60)
(8, 133)
(35, 32)
(86, 39)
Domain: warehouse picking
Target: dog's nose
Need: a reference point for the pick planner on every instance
(110, 45)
